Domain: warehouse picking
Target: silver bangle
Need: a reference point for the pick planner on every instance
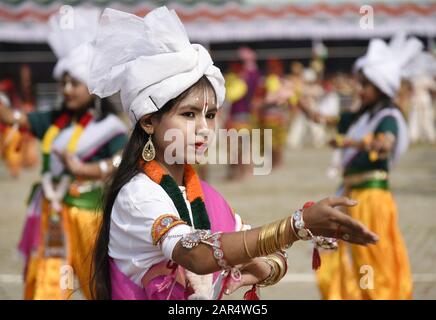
(104, 167)
(299, 226)
(116, 160)
(17, 116)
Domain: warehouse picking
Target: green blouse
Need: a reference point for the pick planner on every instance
(39, 124)
(361, 162)
(40, 121)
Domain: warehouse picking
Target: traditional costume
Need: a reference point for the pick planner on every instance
(151, 61)
(380, 271)
(63, 211)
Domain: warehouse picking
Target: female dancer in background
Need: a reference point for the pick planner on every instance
(80, 143)
(372, 140)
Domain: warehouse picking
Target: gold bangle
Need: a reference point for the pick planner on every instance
(272, 238)
(272, 275)
(282, 234)
(279, 271)
(281, 266)
(340, 140)
(245, 245)
(259, 242)
(265, 241)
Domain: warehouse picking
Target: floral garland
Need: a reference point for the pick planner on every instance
(194, 193)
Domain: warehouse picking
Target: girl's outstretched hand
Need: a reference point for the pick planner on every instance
(323, 219)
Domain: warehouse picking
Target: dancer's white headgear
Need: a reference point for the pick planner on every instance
(149, 60)
(70, 32)
(382, 64)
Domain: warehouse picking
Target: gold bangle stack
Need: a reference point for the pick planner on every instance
(272, 238)
(278, 270)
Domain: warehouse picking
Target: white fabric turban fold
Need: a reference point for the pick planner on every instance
(149, 60)
(70, 32)
(383, 63)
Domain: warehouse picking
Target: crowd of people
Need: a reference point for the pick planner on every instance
(276, 98)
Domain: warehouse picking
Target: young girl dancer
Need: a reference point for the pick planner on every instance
(165, 234)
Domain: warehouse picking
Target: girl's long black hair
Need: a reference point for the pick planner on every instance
(128, 168)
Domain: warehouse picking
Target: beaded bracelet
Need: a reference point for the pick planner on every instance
(193, 239)
(299, 228)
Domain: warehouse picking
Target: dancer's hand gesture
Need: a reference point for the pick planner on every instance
(324, 219)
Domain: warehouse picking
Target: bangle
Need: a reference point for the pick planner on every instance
(281, 236)
(245, 246)
(299, 226)
(282, 262)
(17, 116)
(279, 269)
(305, 234)
(104, 167)
(218, 254)
(116, 160)
(268, 280)
(272, 238)
(192, 240)
(367, 140)
(340, 140)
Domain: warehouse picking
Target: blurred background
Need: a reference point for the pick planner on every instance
(313, 43)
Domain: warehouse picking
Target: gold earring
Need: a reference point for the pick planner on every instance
(149, 152)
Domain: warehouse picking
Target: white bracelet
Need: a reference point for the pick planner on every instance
(116, 160)
(17, 116)
(104, 167)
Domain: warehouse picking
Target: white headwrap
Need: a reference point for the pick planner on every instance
(71, 30)
(149, 60)
(383, 63)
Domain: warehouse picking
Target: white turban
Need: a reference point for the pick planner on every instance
(383, 63)
(71, 30)
(149, 60)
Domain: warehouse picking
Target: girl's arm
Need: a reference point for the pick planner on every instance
(97, 170)
(321, 219)
(10, 117)
(379, 145)
(315, 116)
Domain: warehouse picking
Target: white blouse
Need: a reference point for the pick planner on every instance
(138, 204)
